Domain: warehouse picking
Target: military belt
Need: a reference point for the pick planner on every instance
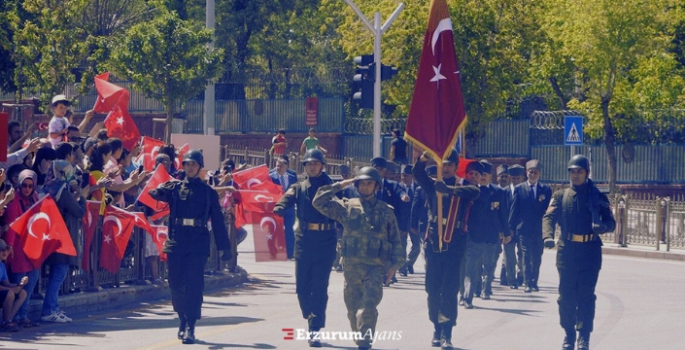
(582, 238)
(313, 226)
(189, 222)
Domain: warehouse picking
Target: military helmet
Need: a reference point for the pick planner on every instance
(195, 156)
(453, 158)
(313, 154)
(579, 161)
(369, 173)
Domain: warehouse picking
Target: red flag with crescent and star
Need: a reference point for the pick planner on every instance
(109, 95)
(247, 178)
(159, 177)
(117, 227)
(90, 223)
(160, 236)
(253, 201)
(178, 162)
(269, 236)
(43, 231)
(437, 112)
(148, 152)
(120, 124)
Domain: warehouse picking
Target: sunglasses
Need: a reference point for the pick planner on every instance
(27, 185)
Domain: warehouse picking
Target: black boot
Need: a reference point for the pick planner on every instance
(446, 343)
(182, 326)
(189, 337)
(437, 334)
(569, 339)
(583, 340)
(314, 338)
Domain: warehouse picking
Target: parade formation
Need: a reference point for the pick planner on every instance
(80, 204)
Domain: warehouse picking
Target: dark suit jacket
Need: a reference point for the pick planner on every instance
(525, 216)
(392, 193)
(404, 217)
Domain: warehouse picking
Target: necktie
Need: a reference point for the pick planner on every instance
(535, 191)
(282, 179)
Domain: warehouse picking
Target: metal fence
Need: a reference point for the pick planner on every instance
(648, 220)
(266, 115)
(502, 138)
(134, 267)
(646, 164)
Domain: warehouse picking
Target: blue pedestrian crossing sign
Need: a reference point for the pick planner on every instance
(573, 130)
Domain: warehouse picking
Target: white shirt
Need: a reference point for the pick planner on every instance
(57, 124)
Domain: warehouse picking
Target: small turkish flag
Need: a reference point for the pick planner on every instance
(253, 201)
(463, 163)
(141, 221)
(159, 177)
(43, 232)
(247, 178)
(148, 152)
(90, 223)
(116, 232)
(160, 236)
(120, 124)
(268, 186)
(109, 95)
(269, 236)
(178, 162)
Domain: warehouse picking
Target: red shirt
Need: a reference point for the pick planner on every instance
(279, 150)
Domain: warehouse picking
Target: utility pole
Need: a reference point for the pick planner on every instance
(209, 114)
(377, 31)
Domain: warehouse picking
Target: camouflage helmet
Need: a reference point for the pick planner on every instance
(369, 173)
(195, 156)
(579, 161)
(313, 154)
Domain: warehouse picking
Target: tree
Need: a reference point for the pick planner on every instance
(167, 59)
(611, 43)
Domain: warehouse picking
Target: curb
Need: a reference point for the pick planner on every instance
(635, 253)
(78, 304)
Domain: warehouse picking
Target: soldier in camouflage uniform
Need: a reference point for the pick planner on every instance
(370, 240)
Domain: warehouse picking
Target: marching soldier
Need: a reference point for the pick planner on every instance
(192, 204)
(525, 219)
(513, 258)
(583, 213)
(315, 240)
(409, 186)
(370, 242)
(444, 252)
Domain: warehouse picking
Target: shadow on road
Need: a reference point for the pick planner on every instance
(217, 346)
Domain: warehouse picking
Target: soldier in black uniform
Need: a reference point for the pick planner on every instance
(192, 204)
(583, 213)
(445, 252)
(315, 242)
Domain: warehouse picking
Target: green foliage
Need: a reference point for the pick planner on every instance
(167, 59)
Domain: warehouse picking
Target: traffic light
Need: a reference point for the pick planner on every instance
(364, 79)
(388, 72)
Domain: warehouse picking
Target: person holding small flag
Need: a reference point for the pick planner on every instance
(192, 204)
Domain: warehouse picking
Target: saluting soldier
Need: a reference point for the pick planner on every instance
(370, 242)
(444, 252)
(583, 214)
(315, 241)
(192, 203)
(530, 202)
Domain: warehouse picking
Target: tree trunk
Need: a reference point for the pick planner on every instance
(558, 92)
(609, 140)
(169, 120)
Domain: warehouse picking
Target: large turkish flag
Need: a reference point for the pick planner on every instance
(43, 232)
(437, 110)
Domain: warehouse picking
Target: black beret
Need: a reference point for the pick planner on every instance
(487, 167)
(477, 166)
(406, 169)
(379, 162)
(516, 170)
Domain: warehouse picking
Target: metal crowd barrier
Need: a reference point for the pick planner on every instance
(134, 268)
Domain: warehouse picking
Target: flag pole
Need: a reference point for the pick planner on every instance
(439, 195)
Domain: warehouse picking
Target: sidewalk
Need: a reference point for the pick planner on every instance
(78, 304)
(650, 252)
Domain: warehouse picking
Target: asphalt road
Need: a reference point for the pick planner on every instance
(639, 306)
